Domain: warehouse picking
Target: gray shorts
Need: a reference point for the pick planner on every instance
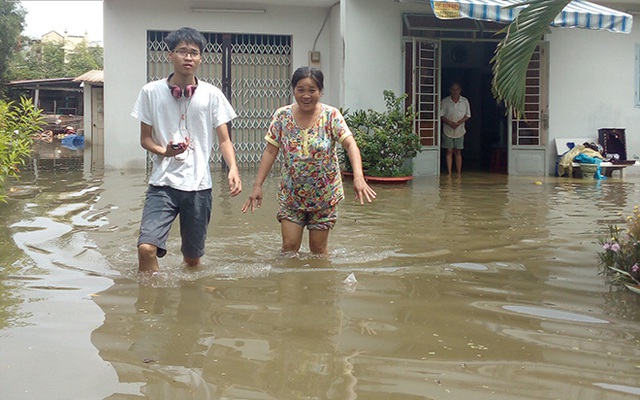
(452, 143)
(161, 207)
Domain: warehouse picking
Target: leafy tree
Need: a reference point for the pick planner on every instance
(515, 50)
(18, 124)
(49, 60)
(11, 26)
(37, 60)
(17, 64)
(84, 58)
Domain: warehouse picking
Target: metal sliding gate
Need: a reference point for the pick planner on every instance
(529, 132)
(426, 90)
(253, 71)
(425, 61)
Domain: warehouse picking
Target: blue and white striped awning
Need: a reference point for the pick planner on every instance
(577, 14)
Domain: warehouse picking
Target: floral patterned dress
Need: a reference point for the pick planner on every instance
(311, 178)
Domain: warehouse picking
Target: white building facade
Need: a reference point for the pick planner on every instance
(585, 80)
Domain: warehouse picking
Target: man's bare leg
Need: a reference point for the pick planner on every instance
(192, 262)
(458, 154)
(449, 160)
(147, 258)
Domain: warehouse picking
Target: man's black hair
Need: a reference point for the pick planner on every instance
(187, 35)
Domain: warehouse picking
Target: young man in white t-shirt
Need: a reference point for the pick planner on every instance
(455, 111)
(178, 116)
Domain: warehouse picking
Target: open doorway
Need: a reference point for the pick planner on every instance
(443, 51)
(469, 64)
(440, 51)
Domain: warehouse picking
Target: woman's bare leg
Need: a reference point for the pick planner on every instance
(291, 235)
(319, 241)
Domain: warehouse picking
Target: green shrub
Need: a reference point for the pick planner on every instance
(621, 252)
(18, 123)
(387, 140)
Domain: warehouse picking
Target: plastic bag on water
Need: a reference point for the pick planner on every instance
(350, 282)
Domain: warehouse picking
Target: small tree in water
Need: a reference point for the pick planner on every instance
(18, 124)
(386, 139)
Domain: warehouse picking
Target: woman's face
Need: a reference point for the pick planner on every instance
(307, 94)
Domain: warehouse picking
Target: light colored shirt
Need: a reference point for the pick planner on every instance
(455, 112)
(174, 119)
(311, 178)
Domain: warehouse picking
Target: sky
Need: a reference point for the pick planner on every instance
(76, 17)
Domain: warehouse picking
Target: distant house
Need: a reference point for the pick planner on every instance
(69, 42)
(63, 95)
(52, 95)
(580, 80)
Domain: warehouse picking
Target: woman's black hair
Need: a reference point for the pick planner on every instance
(187, 35)
(308, 72)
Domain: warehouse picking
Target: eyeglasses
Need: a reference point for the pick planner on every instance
(184, 52)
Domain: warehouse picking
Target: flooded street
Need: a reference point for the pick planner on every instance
(484, 287)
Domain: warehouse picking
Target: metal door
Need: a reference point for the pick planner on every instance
(529, 132)
(426, 103)
(253, 71)
(260, 76)
(97, 128)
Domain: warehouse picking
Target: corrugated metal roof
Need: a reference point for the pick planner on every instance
(66, 84)
(37, 81)
(93, 76)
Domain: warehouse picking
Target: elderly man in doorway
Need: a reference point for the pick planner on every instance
(455, 111)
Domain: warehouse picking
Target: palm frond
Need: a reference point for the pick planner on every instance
(514, 51)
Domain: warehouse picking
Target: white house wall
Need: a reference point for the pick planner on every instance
(374, 58)
(125, 26)
(336, 57)
(592, 74)
(591, 84)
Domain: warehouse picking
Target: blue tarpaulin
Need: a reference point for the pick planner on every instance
(73, 142)
(585, 159)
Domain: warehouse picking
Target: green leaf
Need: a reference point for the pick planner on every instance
(514, 52)
(624, 273)
(18, 123)
(386, 139)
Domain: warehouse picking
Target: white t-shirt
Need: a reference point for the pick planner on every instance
(174, 119)
(455, 112)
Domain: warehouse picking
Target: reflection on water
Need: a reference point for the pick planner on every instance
(482, 287)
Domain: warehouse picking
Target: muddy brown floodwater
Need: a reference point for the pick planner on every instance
(484, 287)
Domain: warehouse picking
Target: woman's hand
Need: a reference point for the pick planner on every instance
(254, 201)
(363, 191)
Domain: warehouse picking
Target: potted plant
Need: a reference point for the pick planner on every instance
(387, 140)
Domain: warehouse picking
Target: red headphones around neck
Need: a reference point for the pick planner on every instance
(178, 92)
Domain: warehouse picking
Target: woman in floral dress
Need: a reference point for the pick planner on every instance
(311, 185)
